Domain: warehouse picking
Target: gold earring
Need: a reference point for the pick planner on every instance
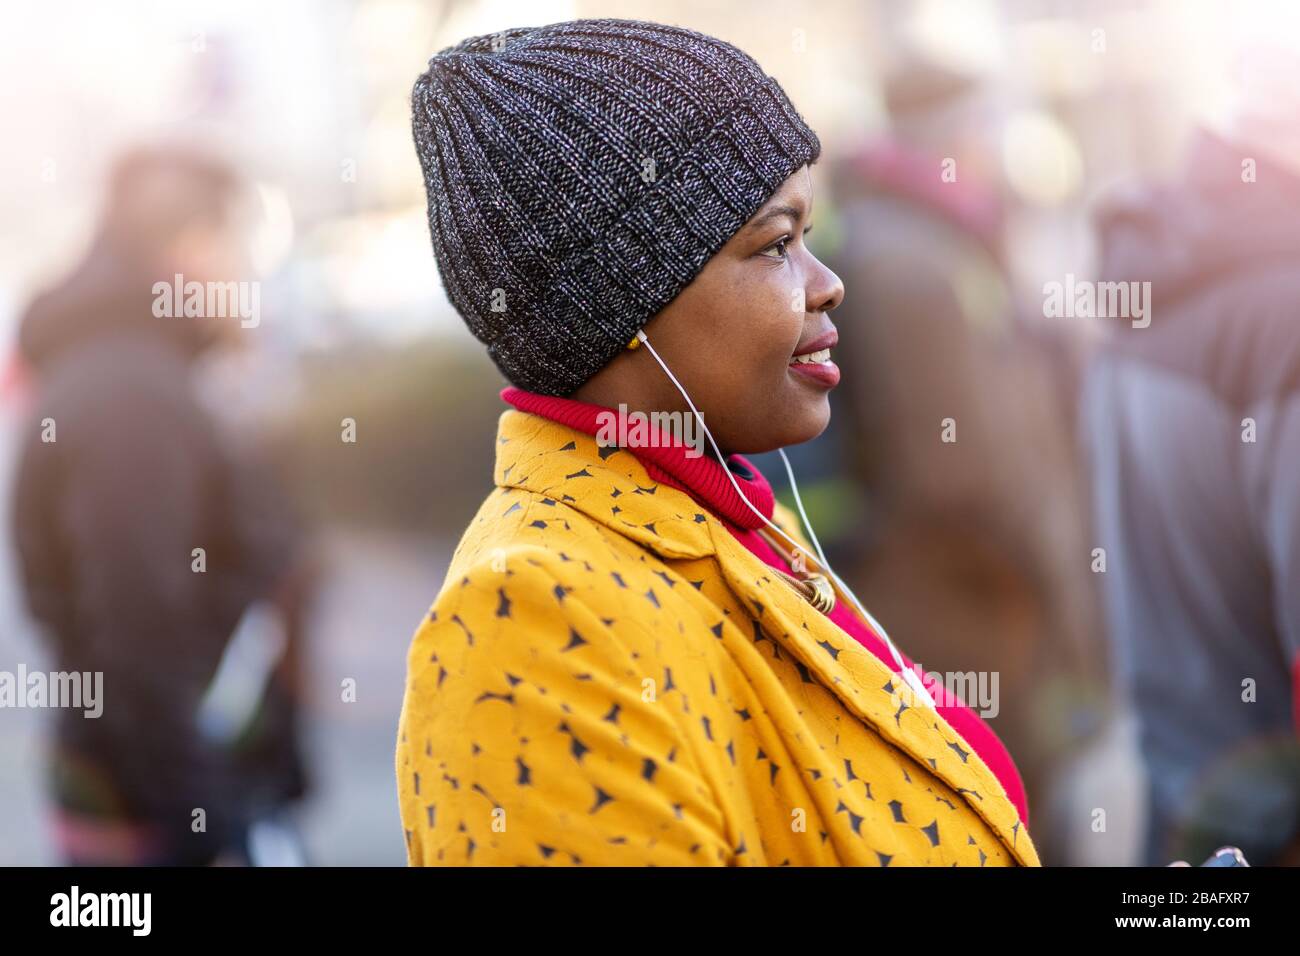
(635, 343)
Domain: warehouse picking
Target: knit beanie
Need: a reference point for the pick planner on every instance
(579, 175)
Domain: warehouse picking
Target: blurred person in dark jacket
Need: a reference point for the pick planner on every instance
(123, 477)
(1193, 427)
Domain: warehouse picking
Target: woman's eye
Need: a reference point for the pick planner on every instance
(780, 245)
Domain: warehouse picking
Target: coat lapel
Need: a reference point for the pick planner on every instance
(612, 487)
(871, 690)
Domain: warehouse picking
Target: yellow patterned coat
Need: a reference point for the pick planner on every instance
(607, 677)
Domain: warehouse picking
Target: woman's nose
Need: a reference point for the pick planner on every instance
(825, 291)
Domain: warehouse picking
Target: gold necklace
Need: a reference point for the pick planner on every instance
(815, 588)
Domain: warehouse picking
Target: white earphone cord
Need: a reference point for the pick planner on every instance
(908, 674)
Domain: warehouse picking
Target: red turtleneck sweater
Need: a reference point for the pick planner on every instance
(706, 482)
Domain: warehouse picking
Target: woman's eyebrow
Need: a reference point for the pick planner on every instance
(775, 213)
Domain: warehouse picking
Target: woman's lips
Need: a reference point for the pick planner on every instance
(821, 370)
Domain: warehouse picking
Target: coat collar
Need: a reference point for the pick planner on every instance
(668, 460)
(566, 465)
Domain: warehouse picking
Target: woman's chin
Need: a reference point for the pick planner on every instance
(810, 413)
(784, 430)
(817, 419)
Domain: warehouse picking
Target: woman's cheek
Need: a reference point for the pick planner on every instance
(782, 306)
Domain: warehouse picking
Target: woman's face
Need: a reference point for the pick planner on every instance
(732, 335)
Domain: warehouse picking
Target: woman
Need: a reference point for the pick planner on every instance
(636, 657)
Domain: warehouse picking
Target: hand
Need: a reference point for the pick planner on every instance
(1223, 856)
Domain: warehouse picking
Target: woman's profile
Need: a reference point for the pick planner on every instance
(637, 656)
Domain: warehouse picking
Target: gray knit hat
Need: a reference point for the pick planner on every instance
(579, 176)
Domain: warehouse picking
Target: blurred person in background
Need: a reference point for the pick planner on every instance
(963, 540)
(123, 475)
(1193, 428)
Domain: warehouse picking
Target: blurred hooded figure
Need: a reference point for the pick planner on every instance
(122, 477)
(1193, 427)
